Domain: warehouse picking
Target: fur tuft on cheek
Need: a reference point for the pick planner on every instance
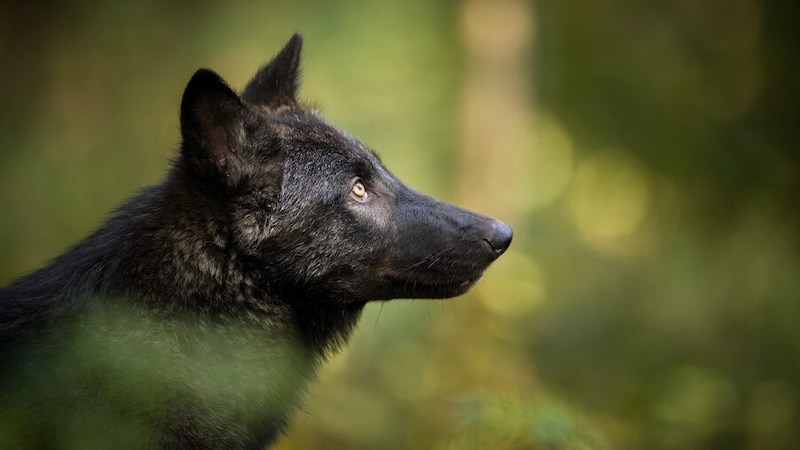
(251, 231)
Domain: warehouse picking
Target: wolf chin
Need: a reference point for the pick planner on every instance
(196, 314)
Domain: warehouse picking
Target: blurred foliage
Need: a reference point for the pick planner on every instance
(643, 152)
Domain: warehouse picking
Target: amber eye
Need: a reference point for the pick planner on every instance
(359, 192)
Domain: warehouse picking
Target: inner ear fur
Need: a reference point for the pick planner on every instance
(213, 119)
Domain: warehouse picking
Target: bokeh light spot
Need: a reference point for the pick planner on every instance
(695, 399)
(609, 198)
(551, 167)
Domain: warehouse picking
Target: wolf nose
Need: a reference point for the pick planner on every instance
(499, 237)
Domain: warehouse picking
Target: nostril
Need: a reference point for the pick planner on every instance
(500, 237)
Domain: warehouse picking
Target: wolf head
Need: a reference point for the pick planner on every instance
(311, 210)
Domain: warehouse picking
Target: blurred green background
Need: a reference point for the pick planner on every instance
(644, 152)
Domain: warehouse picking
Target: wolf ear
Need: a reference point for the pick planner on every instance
(212, 122)
(275, 84)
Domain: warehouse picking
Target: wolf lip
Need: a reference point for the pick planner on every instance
(465, 282)
(404, 287)
(451, 289)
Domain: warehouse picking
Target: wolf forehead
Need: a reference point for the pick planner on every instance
(305, 137)
(306, 129)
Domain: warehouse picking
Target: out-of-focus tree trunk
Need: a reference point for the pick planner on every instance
(497, 36)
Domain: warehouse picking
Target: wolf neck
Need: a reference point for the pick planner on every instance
(325, 329)
(201, 275)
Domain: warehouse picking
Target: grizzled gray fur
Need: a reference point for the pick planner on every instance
(195, 315)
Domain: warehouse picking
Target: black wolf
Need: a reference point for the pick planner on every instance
(195, 315)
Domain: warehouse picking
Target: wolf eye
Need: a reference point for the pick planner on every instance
(359, 192)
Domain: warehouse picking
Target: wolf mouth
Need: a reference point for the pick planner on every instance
(423, 289)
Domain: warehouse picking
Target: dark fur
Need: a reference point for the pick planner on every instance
(194, 316)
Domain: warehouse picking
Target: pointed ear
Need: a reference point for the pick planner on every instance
(275, 85)
(212, 122)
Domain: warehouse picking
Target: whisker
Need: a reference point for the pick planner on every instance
(435, 256)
